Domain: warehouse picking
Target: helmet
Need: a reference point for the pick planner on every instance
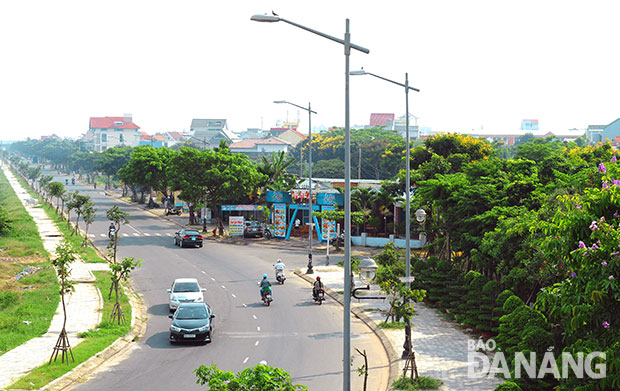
(279, 260)
(264, 276)
(318, 278)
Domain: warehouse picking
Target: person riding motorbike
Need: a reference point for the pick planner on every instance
(265, 286)
(279, 266)
(318, 285)
(111, 230)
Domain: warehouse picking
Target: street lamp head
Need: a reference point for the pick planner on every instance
(420, 215)
(358, 73)
(280, 101)
(367, 269)
(265, 18)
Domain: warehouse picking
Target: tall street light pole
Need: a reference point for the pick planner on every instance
(408, 179)
(346, 42)
(310, 112)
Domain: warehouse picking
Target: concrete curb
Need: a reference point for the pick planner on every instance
(393, 356)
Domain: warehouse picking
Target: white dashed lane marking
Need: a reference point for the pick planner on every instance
(254, 316)
(233, 295)
(125, 235)
(256, 344)
(136, 234)
(147, 234)
(223, 287)
(246, 360)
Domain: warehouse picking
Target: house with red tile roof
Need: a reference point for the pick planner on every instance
(293, 136)
(109, 132)
(259, 147)
(384, 120)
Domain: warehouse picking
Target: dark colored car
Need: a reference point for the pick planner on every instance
(188, 237)
(253, 229)
(192, 322)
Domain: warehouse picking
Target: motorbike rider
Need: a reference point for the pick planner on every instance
(318, 285)
(279, 266)
(265, 286)
(111, 229)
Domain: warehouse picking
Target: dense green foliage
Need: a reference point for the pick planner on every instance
(258, 378)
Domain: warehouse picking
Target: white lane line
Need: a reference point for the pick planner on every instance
(233, 295)
(91, 235)
(256, 344)
(102, 235)
(125, 235)
(157, 234)
(130, 226)
(136, 234)
(169, 234)
(203, 272)
(254, 316)
(212, 279)
(223, 287)
(246, 360)
(146, 234)
(257, 328)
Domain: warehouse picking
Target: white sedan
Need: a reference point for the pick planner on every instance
(185, 290)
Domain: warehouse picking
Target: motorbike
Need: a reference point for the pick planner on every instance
(173, 211)
(319, 297)
(280, 277)
(266, 297)
(268, 234)
(111, 233)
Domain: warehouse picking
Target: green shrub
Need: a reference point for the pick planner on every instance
(508, 386)
(511, 303)
(390, 255)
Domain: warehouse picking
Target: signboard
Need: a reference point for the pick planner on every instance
(529, 124)
(235, 225)
(278, 196)
(279, 220)
(328, 226)
(242, 207)
(330, 199)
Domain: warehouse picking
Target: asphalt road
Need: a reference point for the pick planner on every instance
(293, 333)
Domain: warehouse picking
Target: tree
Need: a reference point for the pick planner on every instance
(274, 170)
(119, 218)
(88, 215)
(112, 160)
(258, 378)
(78, 202)
(56, 189)
(121, 272)
(65, 255)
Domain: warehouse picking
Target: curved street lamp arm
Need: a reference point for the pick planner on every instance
(340, 41)
(365, 288)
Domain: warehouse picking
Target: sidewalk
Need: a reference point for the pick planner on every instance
(83, 306)
(440, 345)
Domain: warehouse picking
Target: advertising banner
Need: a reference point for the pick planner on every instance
(242, 207)
(279, 220)
(330, 199)
(235, 225)
(328, 226)
(278, 196)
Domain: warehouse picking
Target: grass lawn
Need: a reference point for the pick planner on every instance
(94, 341)
(27, 305)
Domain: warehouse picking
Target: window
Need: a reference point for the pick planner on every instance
(120, 138)
(104, 138)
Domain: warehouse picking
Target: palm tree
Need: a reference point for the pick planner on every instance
(275, 172)
(362, 199)
(383, 201)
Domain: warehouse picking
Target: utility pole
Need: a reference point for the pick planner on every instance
(359, 164)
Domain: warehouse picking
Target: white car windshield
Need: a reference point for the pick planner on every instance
(191, 313)
(186, 287)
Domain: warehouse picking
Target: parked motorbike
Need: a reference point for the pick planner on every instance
(280, 277)
(173, 211)
(268, 234)
(319, 297)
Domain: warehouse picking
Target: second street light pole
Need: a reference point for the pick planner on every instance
(310, 220)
